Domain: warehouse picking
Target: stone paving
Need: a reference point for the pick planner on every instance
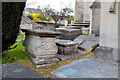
(15, 70)
(86, 68)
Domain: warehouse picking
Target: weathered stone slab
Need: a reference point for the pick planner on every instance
(63, 57)
(91, 37)
(68, 34)
(66, 47)
(88, 46)
(16, 70)
(86, 68)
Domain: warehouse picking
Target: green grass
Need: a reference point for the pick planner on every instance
(21, 36)
(14, 54)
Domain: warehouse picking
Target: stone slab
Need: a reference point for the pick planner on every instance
(16, 70)
(90, 37)
(68, 34)
(63, 57)
(41, 33)
(87, 68)
(88, 45)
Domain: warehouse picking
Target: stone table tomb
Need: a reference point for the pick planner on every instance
(40, 45)
(68, 34)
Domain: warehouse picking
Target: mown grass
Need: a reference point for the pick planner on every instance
(20, 36)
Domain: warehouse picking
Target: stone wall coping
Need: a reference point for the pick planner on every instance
(42, 33)
(65, 43)
(44, 22)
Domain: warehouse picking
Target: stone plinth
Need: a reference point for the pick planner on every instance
(68, 34)
(44, 25)
(66, 47)
(40, 43)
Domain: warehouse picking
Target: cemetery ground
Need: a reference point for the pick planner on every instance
(16, 54)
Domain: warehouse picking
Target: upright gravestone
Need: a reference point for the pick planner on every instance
(95, 23)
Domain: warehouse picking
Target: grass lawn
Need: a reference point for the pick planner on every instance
(17, 55)
(21, 36)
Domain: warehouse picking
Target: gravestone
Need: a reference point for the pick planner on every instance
(40, 44)
(66, 47)
(68, 34)
(95, 24)
(90, 37)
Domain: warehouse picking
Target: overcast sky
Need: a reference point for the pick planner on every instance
(56, 4)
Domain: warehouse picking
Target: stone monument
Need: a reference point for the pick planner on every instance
(41, 46)
(95, 22)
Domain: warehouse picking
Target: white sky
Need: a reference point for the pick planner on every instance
(56, 4)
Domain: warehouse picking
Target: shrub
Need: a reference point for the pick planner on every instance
(57, 25)
(30, 16)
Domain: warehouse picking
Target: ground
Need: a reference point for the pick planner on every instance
(17, 55)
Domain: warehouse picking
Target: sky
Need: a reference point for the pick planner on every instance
(56, 4)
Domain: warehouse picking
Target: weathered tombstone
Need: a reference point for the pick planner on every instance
(90, 37)
(44, 25)
(68, 34)
(95, 23)
(40, 45)
(66, 47)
